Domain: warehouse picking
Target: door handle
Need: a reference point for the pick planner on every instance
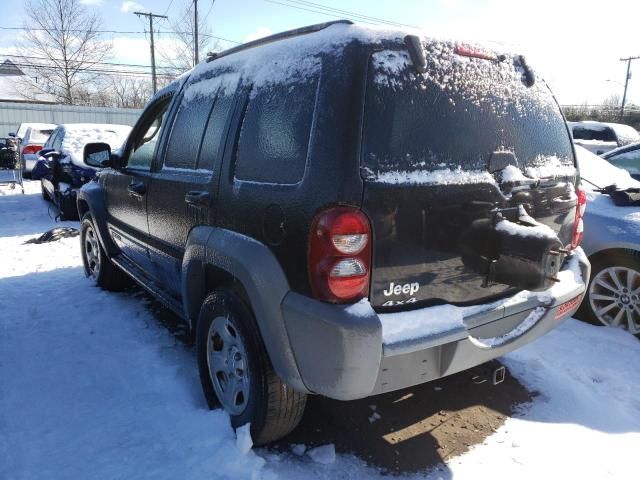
(197, 198)
(137, 189)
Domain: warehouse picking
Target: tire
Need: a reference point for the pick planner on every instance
(613, 294)
(97, 265)
(227, 329)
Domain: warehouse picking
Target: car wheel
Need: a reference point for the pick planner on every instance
(613, 296)
(97, 265)
(236, 373)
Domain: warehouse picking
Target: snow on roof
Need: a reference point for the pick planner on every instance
(20, 88)
(297, 58)
(77, 135)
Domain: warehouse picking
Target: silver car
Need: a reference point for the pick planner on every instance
(612, 243)
(32, 137)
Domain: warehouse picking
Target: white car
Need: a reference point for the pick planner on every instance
(32, 137)
(612, 242)
(600, 137)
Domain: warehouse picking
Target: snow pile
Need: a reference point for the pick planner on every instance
(531, 321)
(512, 174)
(325, 454)
(445, 176)
(77, 135)
(585, 423)
(545, 166)
(424, 322)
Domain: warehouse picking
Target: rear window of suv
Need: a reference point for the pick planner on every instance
(456, 114)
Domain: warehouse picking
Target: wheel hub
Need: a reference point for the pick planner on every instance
(226, 355)
(614, 296)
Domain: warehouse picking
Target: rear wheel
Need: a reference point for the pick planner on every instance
(613, 296)
(97, 265)
(236, 373)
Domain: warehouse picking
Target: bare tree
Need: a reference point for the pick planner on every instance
(63, 47)
(180, 54)
(130, 92)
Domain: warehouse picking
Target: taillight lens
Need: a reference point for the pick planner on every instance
(30, 149)
(578, 224)
(340, 255)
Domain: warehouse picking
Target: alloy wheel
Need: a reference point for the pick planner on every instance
(614, 296)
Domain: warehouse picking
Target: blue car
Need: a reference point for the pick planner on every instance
(61, 168)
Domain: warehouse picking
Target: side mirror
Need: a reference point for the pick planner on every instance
(12, 134)
(97, 154)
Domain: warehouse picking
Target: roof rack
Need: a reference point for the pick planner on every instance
(278, 36)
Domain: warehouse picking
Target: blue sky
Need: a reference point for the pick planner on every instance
(573, 43)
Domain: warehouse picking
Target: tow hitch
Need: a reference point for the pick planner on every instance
(493, 372)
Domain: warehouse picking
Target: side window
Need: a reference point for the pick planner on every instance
(51, 139)
(213, 141)
(274, 137)
(629, 160)
(186, 134)
(144, 145)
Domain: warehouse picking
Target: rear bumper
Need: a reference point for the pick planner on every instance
(30, 161)
(350, 352)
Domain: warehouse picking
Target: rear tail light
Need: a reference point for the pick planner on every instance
(578, 224)
(30, 149)
(340, 255)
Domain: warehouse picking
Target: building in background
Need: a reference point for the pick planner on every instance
(15, 86)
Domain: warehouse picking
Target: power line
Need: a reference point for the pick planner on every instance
(124, 32)
(29, 57)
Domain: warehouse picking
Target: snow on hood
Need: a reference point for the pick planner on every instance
(600, 172)
(77, 135)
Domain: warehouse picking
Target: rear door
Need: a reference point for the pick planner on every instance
(442, 152)
(127, 188)
(183, 192)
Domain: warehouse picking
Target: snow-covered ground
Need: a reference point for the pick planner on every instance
(92, 386)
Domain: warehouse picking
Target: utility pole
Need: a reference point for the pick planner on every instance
(626, 82)
(195, 36)
(151, 16)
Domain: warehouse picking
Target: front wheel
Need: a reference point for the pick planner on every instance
(613, 297)
(236, 373)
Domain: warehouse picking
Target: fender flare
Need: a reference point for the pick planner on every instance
(92, 195)
(253, 265)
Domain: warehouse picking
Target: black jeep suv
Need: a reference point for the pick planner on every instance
(339, 211)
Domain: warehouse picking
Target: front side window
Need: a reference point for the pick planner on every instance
(144, 144)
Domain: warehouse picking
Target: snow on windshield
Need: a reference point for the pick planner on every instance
(78, 135)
